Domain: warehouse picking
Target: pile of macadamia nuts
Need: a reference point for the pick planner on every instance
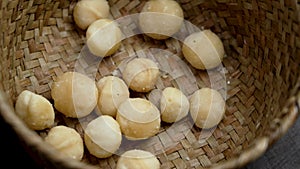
(75, 95)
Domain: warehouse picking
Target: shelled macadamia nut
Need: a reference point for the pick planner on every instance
(103, 37)
(203, 50)
(207, 108)
(67, 141)
(160, 19)
(35, 110)
(141, 74)
(88, 11)
(103, 136)
(138, 118)
(174, 105)
(75, 95)
(138, 159)
(112, 92)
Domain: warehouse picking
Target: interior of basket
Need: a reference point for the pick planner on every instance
(40, 41)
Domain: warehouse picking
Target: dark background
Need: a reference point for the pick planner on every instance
(284, 154)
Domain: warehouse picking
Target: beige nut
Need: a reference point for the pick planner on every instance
(203, 50)
(88, 11)
(160, 19)
(103, 136)
(207, 107)
(75, 95)
(138, 118)
(112, 92)
(35, 110)
(174, 105)
(103, 37)
(67, 141)
(138, 159)
(141, 74)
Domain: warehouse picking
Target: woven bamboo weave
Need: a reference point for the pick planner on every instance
(39, 41)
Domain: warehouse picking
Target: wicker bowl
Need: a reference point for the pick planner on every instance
(39, 41)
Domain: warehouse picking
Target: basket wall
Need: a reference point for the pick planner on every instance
(40, 41)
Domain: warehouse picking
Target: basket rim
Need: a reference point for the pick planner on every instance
(32, 139)
(254, 151)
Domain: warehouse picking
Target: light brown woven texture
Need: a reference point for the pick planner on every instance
(40, 41)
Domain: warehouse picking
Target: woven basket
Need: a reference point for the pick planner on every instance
(40, 41)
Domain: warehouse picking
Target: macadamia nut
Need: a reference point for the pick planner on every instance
(174, 105)
(67, 141)
(103, 37)
(138, 159)
(207, 107)
(138, 118)
(103, 136)
(112, 92)
(87, 11)
(141, 74)
(203, 50)
(35, 110)
(160, 19)
(75, 95)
